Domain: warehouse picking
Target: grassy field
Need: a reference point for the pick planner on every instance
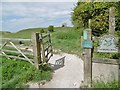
(66, 39)
(16, 73)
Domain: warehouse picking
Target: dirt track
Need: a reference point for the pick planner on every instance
(71, 74)
(68, 76)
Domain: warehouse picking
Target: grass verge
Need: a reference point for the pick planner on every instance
(16, 73)
(101, 84)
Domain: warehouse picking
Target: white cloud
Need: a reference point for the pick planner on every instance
(17, 16)
(62, 13)
(20, 9)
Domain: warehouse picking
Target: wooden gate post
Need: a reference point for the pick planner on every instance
(112, 21)
(88, 62)
(88, 65)
(36, 49)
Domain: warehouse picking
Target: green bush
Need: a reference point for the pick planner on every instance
(42, 31)
(51, 28)
(98, 12)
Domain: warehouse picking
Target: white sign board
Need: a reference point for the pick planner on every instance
(107, 43)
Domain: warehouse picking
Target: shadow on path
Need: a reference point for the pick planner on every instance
(59, 63)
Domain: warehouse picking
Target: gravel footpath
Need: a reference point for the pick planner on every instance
(68, 76)
(71, 74)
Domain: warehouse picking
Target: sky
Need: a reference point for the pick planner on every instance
(22, 14)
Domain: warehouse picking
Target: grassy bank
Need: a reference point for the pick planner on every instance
(16, 73)
(67, 39)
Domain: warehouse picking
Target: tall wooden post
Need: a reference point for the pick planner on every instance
(88, 63)
(36, 49)
(112, 21)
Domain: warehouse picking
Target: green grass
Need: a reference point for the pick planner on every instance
(66, 39)
(101, 84)
(16, 73)
(106, 55)
(26, 33)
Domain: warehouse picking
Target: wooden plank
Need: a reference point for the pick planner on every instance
(48, 53)
(15, 57)
(3, 45)
(22, 48)
(44, 35)
(36, 49)
(49, 58)
(21, 52)
(47, 47)
(15, 39)
(12, 51)
(42, 50)
(7, 45)
(50, 43)
(4, 54)
(106, 61)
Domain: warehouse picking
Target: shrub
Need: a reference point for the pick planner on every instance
(51, 28)
(42, 31)
(98, 12)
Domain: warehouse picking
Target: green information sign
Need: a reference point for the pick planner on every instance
(87, 44)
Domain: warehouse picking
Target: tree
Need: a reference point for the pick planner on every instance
(51, 28)
(98, 12)
(64, 25)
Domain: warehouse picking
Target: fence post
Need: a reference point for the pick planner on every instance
(88, 62)
(112, 21)
(36, 49)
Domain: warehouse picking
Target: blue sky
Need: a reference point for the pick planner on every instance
(18, 14)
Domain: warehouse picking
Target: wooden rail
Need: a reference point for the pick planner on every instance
(15, 57)
(47, 51)
(12, 51)
(37, 50)
(14, 39)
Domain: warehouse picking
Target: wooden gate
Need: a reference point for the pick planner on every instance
(42, 48)
(17, 49)
(37, 50)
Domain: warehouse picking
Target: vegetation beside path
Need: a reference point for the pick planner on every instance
(15, 73)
